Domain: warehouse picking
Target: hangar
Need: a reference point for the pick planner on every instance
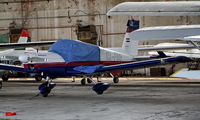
(87, 21)
(51, 20)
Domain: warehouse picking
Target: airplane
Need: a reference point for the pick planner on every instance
(12, 55)
(187, 33)
(128, 52)
(75, 58)
(166, 8)
(192, 71)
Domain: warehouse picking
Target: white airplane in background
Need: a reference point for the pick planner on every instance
(188, 33)
(13, 54)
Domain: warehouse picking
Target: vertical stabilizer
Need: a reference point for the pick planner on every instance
(130, 46)
(23, 37)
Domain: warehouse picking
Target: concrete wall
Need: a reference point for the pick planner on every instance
(57, 19)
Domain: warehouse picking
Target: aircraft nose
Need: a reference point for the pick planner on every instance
(23, 58)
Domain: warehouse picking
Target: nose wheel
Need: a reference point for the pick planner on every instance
(46, 87)
(116, 79)
(5, 77)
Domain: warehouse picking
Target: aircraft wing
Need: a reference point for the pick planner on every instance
(166, 8)
(23, 45)
(189, 54)
(142, 64)
(132, 65)
(12, 67)
(178, 32)
(192, 38)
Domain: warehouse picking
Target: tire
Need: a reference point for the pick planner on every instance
(48, 91)
(5, 77)
(38, 78)
(44, 89)
(116, 79)
(100, 92)
(89, 80)
(83, 81)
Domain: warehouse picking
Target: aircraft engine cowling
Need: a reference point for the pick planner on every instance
(24, 58)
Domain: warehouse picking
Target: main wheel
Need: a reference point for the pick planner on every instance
(89, 80)
(83, 81)
(5, 77)
(99, 92)
(116, 79)
(38, 78)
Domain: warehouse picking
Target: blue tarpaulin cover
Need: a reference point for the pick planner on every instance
(87, 69)
(74, 50)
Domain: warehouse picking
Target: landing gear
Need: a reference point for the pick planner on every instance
(5, 77)
(46, 87)
(73, 79)
(115, 79)
(89, 80)
(83, 81)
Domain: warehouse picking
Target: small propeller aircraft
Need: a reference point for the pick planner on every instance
(75, 58)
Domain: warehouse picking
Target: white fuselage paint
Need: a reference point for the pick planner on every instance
(45, 56)
(127, 52)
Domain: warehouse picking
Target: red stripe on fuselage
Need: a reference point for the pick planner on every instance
(84, 63)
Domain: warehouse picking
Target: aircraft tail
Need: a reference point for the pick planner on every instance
(130, 46)
(23, 37)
